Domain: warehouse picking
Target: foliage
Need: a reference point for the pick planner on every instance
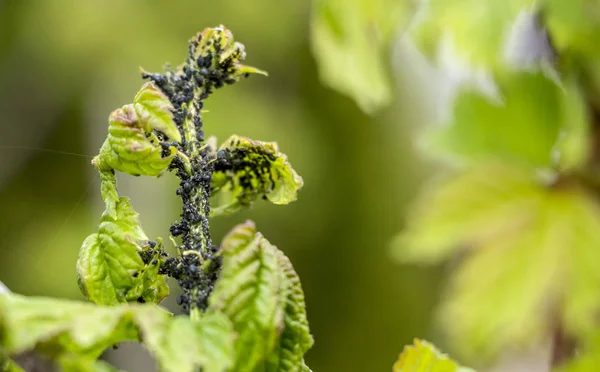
(70, 332)
(423, 356)
(229, 292)
(111, 270)
(252, 169)
(260, 292)
(519, 213)
(350, 41)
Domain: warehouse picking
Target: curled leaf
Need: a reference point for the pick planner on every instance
(154, 111)
(247, 169)
(110, 269)
(218, 41)
(130, 147)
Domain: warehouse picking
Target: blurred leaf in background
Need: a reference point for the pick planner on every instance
(476, 29)
(528, 261)
(351, 42)
(422, 356)
(484, 128)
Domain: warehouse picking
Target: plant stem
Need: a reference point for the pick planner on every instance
(195, 314)
(187, 88)
(563, 348)
(213, 62)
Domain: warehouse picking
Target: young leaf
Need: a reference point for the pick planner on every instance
(110, 269)
(249, 292)
(154, 111)
(230, 52)
(153, 286)
(130, 146)
(248, 169)
(351, 41)
(529, 257)
(483, 129)
(295, 340)
(183, 345)
(424, 357)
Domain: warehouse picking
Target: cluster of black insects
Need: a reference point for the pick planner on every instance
(189, 87)
(237, 161)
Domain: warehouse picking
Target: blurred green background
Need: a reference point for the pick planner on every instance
(66, 64)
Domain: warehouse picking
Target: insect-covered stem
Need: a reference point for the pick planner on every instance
(213, 61)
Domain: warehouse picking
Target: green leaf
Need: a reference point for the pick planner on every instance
(154, 111)
(528, 257)
(230, 52)
(183, 345)
(553, 257)
(62, 327)
(248, 169)
(76, 333)
(351, 43)
(424, 357)
(108, 190)
(304, 367)
(476, 30)
(486, 129)
(261, 293)
(153, 286)
(130, 147)
(295, 339)
(110, 269)
(466, 210)
(249, 291)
